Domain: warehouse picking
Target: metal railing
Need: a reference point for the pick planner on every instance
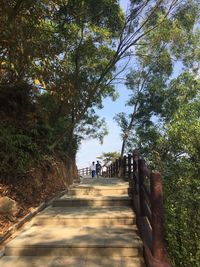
(147, 200)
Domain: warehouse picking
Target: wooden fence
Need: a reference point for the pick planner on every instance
(147, 201)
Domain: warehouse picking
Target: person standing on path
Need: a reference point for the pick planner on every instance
(93, 169)
(98, 169)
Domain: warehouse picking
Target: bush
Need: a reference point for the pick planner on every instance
(182, 212)
(17, 154)
(28, 130)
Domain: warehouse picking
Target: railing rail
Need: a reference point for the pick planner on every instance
(84, 171)
(147, 202)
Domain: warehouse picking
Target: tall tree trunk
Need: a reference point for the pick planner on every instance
(126, 135)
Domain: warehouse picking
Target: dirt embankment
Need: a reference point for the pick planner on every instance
(38, 185)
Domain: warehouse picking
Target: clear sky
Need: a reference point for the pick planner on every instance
(91, 149)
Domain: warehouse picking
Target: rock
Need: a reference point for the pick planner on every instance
(8, 207)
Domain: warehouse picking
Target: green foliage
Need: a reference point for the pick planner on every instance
(18, 151)
(27, 130)
(164, 124)
(57, 63)
(61, 48)
(182, 216)
(183, 188)
(109, 157)
(171, 144)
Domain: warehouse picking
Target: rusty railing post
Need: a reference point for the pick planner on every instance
(111, 170)
(135, 172)
(120, 172)
(129, 166)
(157, 215)
(117, 167)
(124, 167)
(141, 164)
(107, 173)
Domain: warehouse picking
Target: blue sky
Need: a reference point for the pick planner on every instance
(91, 149)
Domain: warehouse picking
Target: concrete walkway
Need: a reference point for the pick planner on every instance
(93, 225)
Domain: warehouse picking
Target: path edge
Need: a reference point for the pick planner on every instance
(28, 217)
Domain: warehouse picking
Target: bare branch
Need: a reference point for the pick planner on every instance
(116, 75)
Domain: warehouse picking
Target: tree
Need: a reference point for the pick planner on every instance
(165, 128)
(85, 41)
(78, 36)
(108, 157)
(145, 84)
(76, 69)
(171, 145)
(154, 66)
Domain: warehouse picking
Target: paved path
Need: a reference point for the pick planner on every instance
(92, 225)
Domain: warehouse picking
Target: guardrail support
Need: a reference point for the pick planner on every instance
(141, 164)
(157, 215)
